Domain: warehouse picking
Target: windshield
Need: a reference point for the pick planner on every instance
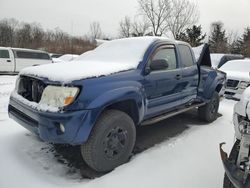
(129, 51)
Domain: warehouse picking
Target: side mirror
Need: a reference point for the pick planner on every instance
(159, 64)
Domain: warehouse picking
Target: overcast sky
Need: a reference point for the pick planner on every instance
(80, 13)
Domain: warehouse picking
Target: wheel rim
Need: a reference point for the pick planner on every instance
(115, 142)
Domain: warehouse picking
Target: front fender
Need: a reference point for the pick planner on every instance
(118, 95)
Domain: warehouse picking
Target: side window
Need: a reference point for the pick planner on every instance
(23, 54)
(4, 54)
(169, 55)
(186, 56)
(31, 55)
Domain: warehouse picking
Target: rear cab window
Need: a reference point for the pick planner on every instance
(4, 54)
(186, 56)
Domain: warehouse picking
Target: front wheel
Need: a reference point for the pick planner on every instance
(111, 141)
(209, 111)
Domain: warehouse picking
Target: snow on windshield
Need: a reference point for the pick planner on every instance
(237, 66)
(129, 51)
(111, 57)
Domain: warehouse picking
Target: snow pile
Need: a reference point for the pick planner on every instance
(237, 69)
(197, 52)
(65, 58)
(7, 84)
(111, 57)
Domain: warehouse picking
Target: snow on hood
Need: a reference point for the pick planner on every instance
(111, 57)
(237, 69)
(237, 75)
(70, 71)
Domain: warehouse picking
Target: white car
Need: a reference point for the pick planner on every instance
(65, 58)
(219, 60)
(12, 60)
(238, 77)
(237, 165)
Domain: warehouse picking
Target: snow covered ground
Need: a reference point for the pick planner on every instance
(180, 152)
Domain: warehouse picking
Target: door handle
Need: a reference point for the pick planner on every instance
(8, 60)
(178, 77)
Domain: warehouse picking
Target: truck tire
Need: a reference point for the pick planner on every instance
(233, 157)
(209, 111)
(111, 141)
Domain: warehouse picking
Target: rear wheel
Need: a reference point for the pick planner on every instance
(111, 141)
(209, 111)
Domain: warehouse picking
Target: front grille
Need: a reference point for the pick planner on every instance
(232, 83)
(30, 88)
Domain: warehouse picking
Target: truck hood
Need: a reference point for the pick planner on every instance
(238, 75)
(67, 72)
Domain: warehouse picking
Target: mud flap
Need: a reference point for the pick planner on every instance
(235, 174)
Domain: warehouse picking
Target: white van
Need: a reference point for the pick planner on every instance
(12, 60)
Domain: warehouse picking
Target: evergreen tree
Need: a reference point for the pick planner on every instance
(218, 40)
(245, 47)
(192, 35)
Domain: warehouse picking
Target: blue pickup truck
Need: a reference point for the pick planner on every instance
(99, 99)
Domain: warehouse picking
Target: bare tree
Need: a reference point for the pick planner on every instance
(23, 36)
(95, 31)
(7, 31)
(183, 15)
(125, 29)
(133, 29)
(156, 13)
(37, 35)
(140, 28)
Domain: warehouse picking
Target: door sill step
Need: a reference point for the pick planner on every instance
(171, 113)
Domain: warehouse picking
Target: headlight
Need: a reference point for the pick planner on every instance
(243, 85)
(57, 96)
(243, 124)
(17, 83)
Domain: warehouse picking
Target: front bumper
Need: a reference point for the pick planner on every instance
(233, 93)
(235, 174)
(46, 125)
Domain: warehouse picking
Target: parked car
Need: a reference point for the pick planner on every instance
(99, 100)
(238, 77)
(12, 60)
(65, 58)
(220, 59)
(237, 165)
(53, 55)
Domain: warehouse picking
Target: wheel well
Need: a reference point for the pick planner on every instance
(218, 88)
(128, 106)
